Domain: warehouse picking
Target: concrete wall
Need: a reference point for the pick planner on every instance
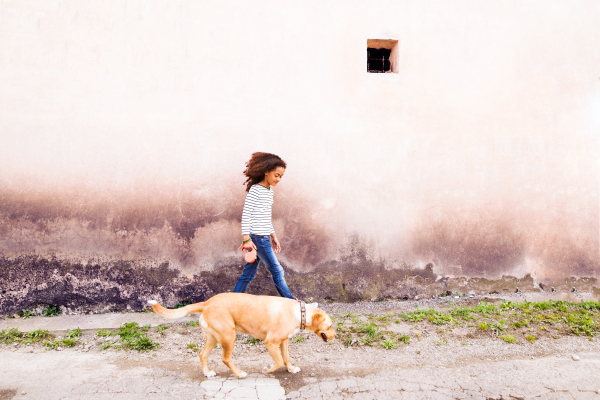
(125, 126)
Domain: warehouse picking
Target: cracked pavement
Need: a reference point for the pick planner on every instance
(74, 375)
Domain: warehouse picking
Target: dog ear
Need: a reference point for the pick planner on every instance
(317, 320)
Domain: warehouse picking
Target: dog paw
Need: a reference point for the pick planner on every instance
(242, 375)
(294, 370)
(210, 374)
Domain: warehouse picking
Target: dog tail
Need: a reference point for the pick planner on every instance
(176, 312)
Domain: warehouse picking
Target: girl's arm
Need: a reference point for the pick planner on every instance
(247, 222)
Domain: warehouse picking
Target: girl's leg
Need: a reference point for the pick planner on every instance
(247, 276)
(267, 255)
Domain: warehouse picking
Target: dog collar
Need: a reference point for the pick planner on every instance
(302, 315)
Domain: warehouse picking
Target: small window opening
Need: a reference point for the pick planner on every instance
(382, 56)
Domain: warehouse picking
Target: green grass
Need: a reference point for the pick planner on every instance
(51, 345)
(183, 303)
(74, 333)
(505, 320)
(51, 311)
(297, 339)
(162, 328)
(508, 338)
(8, 336)
(253, 341)
(132, 337)
(192, 323)
(404, 338)
(36, 336)
(193, 347)
(68, 342)
(389, 344)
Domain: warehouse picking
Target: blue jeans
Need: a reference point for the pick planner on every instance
(264, 252)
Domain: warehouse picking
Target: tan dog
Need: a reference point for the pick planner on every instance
(271, 319)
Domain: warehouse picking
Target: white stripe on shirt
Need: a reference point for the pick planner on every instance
(256, 217)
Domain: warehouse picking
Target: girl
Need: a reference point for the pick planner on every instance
(263, 172)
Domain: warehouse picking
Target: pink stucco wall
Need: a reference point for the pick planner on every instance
(125, 126)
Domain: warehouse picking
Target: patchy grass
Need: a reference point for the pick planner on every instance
(504, 320)
(389, 344)
(192, 323)
(252, 341)
(51, 311)
(103, 332)
(183, 303)
(36, 336)
(508, 338)
(531, 338)
(162, 329)
(8, 336)
(297, 339)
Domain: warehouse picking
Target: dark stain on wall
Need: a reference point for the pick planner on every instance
(30, 281)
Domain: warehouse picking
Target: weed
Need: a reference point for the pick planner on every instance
(404, 338)
(68, 342)
(541, 305)
(193, 347)
(162, 328)
(483, 326)
(8, 336)
(192, 323)
(51, 345)
(183, 303)
(347, 340)
(297, 339)
(106, 345)
(518, 324)
(253, 341)
(27, 314)
(74, 333)
(103, 332)
(51, 311)
(508, 338)
(133, 337)
(439, 319)
(440, 342)
(397, 321)
(36, 335)
(389, 344)
(497, 328)
(463, 343)
(350, 315)
(530, 338)
(144, 343)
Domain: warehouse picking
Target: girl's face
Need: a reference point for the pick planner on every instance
(272, 178)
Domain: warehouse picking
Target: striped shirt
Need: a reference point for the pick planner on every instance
(256, 217)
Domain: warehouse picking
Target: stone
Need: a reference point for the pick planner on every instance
(575, 357)
(243, 393)
(268, 392)
(293, 395)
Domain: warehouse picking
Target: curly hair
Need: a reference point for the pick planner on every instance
(259, 165)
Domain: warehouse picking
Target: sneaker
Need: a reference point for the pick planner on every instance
(315, 305)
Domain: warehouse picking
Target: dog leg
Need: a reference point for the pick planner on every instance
(286, 357)
(274, 352)
(210, 344)
(228, 342)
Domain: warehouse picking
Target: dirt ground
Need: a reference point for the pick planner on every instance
(429, 346)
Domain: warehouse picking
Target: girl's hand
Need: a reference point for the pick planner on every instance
(276, 245)
(248, 246)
